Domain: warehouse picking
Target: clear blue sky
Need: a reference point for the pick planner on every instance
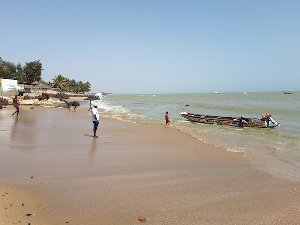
(158, 46)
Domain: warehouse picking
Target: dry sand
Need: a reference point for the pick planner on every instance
(52, 171)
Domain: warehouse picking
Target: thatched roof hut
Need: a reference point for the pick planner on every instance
(35, 86)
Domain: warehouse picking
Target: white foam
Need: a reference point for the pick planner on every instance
(236, 149)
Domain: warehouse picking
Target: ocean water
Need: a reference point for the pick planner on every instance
(275, 151)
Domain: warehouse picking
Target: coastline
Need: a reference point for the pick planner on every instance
(50, 159)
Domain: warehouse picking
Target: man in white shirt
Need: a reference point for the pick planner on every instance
(95, 119)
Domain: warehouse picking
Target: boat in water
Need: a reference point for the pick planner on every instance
(265, 122)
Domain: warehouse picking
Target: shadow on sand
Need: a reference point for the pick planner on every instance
(89, 135)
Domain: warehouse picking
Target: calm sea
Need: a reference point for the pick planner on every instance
(275, 151)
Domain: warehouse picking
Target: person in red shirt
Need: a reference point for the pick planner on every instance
(16, 104)
(167, 119)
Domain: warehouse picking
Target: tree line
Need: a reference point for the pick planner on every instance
(32, 71)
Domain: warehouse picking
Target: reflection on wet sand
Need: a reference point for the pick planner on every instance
(93, 148)
(14, 128)
(23, 133)
(5, 126)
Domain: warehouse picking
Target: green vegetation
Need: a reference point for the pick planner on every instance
(32, 72)
(65, 84)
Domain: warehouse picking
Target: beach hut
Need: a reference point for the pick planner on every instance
(37, 86)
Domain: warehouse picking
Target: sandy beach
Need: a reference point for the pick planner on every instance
(52, 171)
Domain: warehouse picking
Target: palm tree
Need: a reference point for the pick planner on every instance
(60, 82)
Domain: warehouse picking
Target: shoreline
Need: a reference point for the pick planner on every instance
(131, 170)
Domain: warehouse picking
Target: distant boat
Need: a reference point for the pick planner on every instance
(216, 92)
(287, 92)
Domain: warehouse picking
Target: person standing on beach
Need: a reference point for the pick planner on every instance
(167, 119)
(16, 104)
(95, 119)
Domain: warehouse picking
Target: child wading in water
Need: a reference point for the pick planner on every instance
(167, 119)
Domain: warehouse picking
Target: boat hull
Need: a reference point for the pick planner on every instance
(229, 120)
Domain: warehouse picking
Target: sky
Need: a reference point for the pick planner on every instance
(158, 46)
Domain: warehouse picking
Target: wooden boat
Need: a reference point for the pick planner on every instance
(265, 122)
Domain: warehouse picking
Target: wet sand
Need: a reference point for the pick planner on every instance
(52, 165)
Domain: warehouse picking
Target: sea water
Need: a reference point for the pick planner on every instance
(275, 151)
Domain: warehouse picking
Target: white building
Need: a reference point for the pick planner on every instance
(8, 87)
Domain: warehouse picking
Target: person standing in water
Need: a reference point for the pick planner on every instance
(95, 119)
(167, 119)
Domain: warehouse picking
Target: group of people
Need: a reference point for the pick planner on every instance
(95, 114)
(96, 117)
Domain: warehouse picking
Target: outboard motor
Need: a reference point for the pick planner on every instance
(274, 122)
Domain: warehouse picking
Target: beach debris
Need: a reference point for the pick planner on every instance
(31, 177)
(31, 107)
(22, 204)
(28, 214)
(93, 97)
(3, 102)
(141, 219)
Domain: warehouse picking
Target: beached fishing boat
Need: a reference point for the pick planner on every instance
(265, 122)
